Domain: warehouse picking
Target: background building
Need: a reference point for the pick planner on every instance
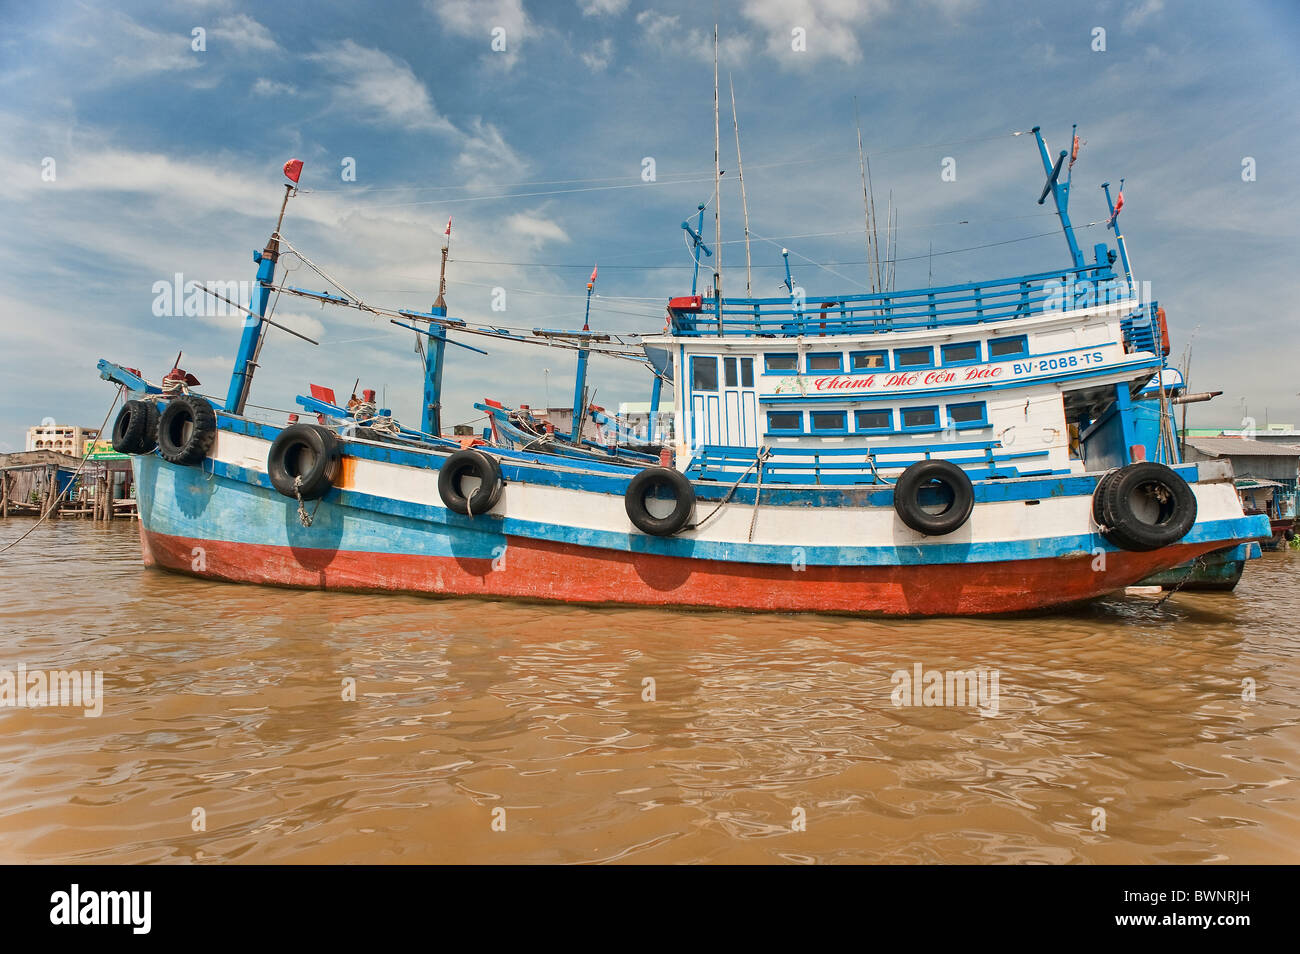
(64, 438)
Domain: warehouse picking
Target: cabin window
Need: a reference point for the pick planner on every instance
(868, 422)
(964, 352)
(704, 374)
(830, 361)
(914, 358)
(784, 422)
(780, 362)
(869, 360)
(829, 422)
(921, 418)
(974, 414)
(738, 372)
(1013, 347)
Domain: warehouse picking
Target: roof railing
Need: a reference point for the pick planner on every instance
(972, 303)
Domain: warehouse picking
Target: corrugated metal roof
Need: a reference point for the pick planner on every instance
(1250, 483)
(1240, 447)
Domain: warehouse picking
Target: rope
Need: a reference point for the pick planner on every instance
(54, 505)
(303, 517)
(763, 454)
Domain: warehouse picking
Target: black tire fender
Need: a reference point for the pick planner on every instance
(305, 459)
(654, 480)
(136, 429)
(907, 497)
(469, 462)
(186, 430)
(1144, 506)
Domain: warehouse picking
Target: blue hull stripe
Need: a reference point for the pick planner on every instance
(243, 508)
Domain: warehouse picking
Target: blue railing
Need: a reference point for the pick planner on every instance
(858, 465)
(1142, 329)
(975, 302)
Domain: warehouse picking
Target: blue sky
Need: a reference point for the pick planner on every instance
(166, 159)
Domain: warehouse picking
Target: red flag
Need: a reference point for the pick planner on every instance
(448, 232)
(1074, 153)
(293, 169)
(592, 280)
(1119, 204)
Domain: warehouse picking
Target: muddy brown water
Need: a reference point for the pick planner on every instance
(1120, 734)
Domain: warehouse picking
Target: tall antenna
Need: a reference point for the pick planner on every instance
(889, 242)
(441, 301)
(740, 169)
(873, 257)
(717, 179)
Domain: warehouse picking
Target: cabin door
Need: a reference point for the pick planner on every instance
(739, 403)
(724, 401)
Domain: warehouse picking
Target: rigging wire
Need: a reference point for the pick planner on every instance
(668, 178)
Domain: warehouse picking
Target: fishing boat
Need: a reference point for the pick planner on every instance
(957, 450)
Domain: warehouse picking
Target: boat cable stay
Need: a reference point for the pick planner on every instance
(117, 394)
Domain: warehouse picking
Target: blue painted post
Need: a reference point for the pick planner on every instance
(656, 390)
(1060, 195)
(697, 243)
(250, 343)
(431, 420)
(1114, 226)
(1128, 426)
(579, 392)
(580, 380)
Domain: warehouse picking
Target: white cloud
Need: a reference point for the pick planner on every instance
(379, 88)
(665, 32)
(270, 87)
(1142, 12)
(244, 33)
(595, 8)
(830, 26)
(145, 51)
(487, 159)
(536, 228)
(477, 19)
(598, 56)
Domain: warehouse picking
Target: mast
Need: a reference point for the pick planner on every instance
(431, 415)
(717, 190)
(250, 343)
(1060, 193)
(744, 202)
(873, 258)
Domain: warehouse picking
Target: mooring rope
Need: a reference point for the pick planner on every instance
(77, 473)
(763, 454)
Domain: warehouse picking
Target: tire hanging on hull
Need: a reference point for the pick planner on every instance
(186, 430)
(949, 477)
(1144, 506)
(136, 429)
(656, 480)
(304, 461)
(473, 464)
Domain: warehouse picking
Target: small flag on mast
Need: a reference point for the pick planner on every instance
(293, 169)
(1074, 153)
(1119, 204)
(592, 280)
(448, 232)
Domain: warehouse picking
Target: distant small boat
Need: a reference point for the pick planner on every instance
(1216, 570)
